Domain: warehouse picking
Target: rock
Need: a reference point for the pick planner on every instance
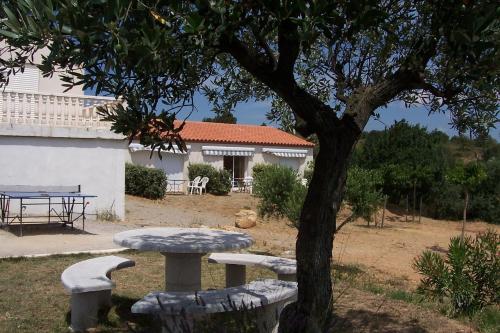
(245, 219)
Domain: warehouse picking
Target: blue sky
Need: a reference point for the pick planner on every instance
(255, 113)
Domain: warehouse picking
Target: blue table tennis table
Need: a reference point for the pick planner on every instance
(62, 204)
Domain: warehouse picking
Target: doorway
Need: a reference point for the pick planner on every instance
(235, 165)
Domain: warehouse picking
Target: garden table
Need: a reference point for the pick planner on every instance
(182, 249)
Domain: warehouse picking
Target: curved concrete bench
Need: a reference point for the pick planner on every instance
(178, 309)
(236, 263)
(89, 283)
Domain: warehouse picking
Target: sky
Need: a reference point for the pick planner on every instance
(255, 113)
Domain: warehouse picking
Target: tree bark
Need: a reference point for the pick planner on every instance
(314, 245)
(414, 200)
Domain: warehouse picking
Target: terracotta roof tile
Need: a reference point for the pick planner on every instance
(237, 133)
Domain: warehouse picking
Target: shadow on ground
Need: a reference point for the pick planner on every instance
(45, 229)
(359, 321)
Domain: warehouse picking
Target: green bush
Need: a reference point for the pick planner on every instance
(145, 182)
(219, 180)
(363, 193)
(468, 276)
(258, 168)
(221, 184)
(293, 206)
(273, 184)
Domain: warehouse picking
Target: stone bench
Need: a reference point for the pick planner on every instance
(89, 283)
(236, 263)
(180, 309)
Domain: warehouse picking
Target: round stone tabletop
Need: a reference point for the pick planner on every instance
(182, 240)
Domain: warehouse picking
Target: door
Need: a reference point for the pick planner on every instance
(235, 165)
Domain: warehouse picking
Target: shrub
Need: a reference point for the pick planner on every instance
(258, 168)
(468, 276)
(221, 183)
(273, 184)
(145, 182)
(293, 206)
(219, 180)
(362, 192)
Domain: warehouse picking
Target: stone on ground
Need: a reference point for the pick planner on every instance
(245, 219)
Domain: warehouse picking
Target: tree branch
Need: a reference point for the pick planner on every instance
(288, 47)
(267, 49)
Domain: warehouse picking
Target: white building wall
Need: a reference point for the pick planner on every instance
(28, 156)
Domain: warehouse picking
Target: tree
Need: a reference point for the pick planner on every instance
(410, 160)
(226, 117)
(330, 64)
(468, 177)
(362, 194)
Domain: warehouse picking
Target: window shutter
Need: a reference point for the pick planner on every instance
(26, 81)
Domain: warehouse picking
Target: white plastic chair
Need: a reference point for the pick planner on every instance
(193, 184)
(202, 186)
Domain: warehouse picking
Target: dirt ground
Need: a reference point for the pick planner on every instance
(386, 252)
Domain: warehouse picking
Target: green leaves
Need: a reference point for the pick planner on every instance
(466, 277)
(469, 176)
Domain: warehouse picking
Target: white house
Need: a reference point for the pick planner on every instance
(51, 138)
(234, 147)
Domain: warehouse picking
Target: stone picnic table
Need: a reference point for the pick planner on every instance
(182, 249)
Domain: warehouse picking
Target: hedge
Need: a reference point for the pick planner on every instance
(145, 182)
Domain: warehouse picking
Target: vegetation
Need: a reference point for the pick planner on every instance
(219, 180)
(145, 182)
(225, 117)
(468, 177)
(469, 275)
(363, 194)
(274, 185)
(416, 164)
(282, 194)
(327, 66)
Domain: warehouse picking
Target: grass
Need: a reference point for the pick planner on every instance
(488, 320)
(33, 299)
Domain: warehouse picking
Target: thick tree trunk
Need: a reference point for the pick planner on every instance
(312, 311)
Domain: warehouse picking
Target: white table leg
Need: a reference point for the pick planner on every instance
(182, 271)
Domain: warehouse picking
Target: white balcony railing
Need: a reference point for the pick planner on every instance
(65, 110)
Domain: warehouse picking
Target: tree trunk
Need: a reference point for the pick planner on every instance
(383, 212)
(414, 200)
(466, 203)
(313, 309)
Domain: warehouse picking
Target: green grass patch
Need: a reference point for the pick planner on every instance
(488, 320)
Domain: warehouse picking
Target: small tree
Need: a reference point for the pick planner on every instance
(363, 194)
(468, 177)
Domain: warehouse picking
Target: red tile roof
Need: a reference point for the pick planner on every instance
(236, 133)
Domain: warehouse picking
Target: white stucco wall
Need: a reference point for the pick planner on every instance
(28, 156)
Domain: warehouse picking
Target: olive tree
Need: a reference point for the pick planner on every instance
(327, 66)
